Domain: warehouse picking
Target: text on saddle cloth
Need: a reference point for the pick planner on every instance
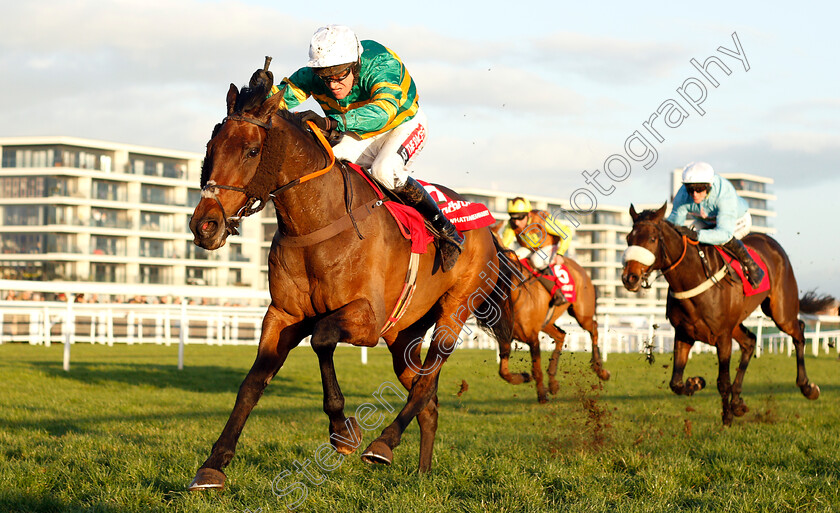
(764, 286)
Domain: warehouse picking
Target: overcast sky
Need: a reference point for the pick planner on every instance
(521, 97)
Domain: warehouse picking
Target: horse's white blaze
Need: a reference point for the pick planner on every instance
(638, 254)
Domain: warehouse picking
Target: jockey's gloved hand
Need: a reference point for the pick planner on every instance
(325, 124)
(688, 232)
(266, 78)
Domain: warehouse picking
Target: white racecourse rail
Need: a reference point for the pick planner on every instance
(622, 329)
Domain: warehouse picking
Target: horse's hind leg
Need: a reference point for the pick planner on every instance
(351, 323)
(277, 339)
(746, 340)
(591, 325)
(504, 361)
(404, 363)
(790, 324)
(559, 337)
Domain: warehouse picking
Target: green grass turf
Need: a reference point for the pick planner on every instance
(125, 431)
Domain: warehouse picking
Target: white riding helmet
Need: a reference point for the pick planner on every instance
(698, 172)
(333, 45)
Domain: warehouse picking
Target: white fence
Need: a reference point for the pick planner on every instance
(621, 329)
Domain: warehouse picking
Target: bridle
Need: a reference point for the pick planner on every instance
(254, 204)
(646, 282)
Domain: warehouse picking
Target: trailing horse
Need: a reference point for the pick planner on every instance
(705, 304)
(535, 313)
(336, 271)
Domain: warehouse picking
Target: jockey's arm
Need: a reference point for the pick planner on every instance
(509, 238)
(295, 89)
(724, 222)
(679, 209)
(561, 231)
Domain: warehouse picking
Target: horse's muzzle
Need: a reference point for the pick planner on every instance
(209, 231)
(632, 280)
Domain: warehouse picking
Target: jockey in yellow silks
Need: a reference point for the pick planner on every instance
(539, 238)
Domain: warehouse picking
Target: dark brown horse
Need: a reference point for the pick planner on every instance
(534, 313)
(337, 267)
(715, 314)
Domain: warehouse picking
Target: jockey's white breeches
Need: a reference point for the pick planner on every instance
(539, 259)
(388, 155)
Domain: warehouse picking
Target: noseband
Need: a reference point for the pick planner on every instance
(646, 283)
(254, 204)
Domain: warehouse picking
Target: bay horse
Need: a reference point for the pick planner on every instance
(336, 269)
(713, 310)
(534, 313)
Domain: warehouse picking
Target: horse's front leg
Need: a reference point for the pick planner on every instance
(279, 336)
(682, 346)
(747, 341)
(724, 383)
(354, 324)
(504, 366)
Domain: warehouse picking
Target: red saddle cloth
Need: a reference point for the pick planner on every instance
(464, 215)
(764, 286)
(562, 279)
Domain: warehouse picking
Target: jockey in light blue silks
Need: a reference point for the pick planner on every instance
(709, 203)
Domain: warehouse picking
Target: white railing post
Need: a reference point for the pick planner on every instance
(759, 343)
(364, 355)
(46, 337)
(69, 331)
(816, 345)
(183, 333)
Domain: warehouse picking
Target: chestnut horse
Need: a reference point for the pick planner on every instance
(534, 313)
(714, 315)
(337, 267)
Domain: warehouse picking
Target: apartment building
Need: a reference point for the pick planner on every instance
(87, 211)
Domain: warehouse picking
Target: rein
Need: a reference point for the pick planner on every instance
(249, 208)
(704, 286)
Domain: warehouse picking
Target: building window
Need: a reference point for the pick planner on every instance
(109, 218)
(155, 194)
(22, 215)
(108, 190)
(21, 243)
(154, 248)
(62, 243)
(108, 273)
(104, 245)
(200, 276)
(155, 274)
(156, 222)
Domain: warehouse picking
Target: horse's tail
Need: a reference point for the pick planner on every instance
(811, 303)
(501, 326)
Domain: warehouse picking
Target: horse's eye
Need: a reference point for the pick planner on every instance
(253, 152)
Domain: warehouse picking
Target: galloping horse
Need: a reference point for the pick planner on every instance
(336, 269)
(534, 313)
(712, 310)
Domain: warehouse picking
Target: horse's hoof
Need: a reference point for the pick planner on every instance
(338, 442)
(542, 398)
(739, 408)
(553, 387)
(526, 378)
(695, 384)
(207, 479)
(603, 374)
(727, 419)
(378, 452)
(812, 392)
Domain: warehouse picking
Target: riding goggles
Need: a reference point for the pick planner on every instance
(693, 188)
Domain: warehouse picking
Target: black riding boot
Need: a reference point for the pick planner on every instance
(739, 251)
(449, 240)
(558, 298)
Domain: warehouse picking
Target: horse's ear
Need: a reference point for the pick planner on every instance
(661, 212)
(269, 107)
(633, 213)
(233, 92)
